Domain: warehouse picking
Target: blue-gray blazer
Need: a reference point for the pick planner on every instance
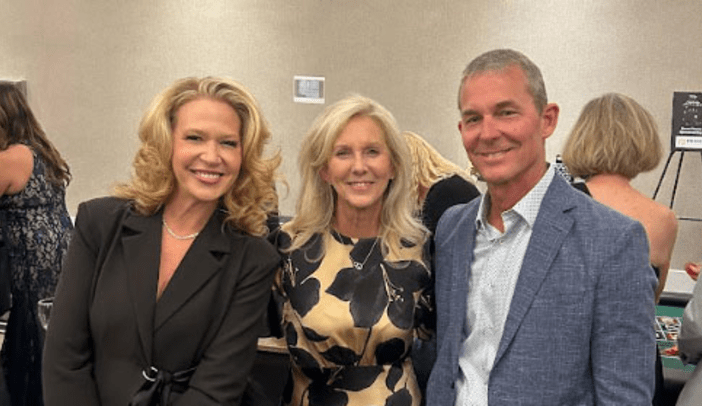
(579, 329)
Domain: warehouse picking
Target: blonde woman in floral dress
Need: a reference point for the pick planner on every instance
(356, 284)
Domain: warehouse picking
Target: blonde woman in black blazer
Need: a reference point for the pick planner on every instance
(163, 290)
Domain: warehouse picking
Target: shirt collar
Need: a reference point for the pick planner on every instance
(527, 207)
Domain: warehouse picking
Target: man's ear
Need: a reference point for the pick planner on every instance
(549, 119)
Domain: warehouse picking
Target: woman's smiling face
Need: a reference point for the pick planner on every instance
(207, 151)
(360, 166)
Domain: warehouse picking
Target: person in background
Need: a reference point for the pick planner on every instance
(37, 229)
(534, 258)
(690, 346)
(355, 280)
(5, 302)
(613, 141)
(693, 269)
(440, 183)
(161, 297)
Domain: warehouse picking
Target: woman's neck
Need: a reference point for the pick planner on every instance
(355, 222)
(187, 219)
(609, 179)
(356, 225)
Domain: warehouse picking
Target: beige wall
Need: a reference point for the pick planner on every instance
(92, 66)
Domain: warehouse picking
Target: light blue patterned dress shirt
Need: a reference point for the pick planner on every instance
(496, 264)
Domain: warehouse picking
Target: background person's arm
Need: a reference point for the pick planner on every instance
(693, 269)
(690, 337)
(16, 164)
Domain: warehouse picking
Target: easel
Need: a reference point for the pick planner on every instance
(675, 184)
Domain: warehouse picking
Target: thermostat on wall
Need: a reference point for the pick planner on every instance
(308, 89)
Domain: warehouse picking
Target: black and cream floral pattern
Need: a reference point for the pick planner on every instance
(349, 331)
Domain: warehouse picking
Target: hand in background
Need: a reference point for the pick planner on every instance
(692, 269)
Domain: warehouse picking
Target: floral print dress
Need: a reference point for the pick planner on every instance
(349, 330)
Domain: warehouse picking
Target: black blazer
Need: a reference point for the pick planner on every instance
(107, 327)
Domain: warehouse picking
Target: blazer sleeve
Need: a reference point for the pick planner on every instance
(690, 338)
(230, 354)
(68, 352)
(623, 339)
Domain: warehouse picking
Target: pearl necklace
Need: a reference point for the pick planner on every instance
(179, 237)
(359, 265)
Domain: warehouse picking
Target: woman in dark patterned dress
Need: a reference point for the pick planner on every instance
(36, 225)
(356, 283)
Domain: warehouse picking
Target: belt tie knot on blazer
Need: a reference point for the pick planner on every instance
(158, 386)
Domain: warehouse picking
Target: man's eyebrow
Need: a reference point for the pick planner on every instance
(498, 106)
(506, 103)
(469, 112)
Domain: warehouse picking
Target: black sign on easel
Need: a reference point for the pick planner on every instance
(687, 121)
(686, 135)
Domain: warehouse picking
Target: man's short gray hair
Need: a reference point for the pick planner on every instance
(500, 59)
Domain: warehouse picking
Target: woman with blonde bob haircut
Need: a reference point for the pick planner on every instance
(614, 140)
(164, 286)
(615, 135)
(355, 282)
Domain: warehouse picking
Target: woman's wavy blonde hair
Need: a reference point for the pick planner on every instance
(317, 201)
(253, 196)
(428, 165)
(614, 134)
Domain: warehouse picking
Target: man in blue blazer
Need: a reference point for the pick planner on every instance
(543, 296)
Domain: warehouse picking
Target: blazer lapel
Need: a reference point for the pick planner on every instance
(460, 267)
(462, 262)
(208, 254)
(141, 239)
(550, 229)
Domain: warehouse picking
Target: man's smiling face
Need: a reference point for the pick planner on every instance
(502, 131)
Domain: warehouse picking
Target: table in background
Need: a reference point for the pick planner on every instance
(668, 320)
